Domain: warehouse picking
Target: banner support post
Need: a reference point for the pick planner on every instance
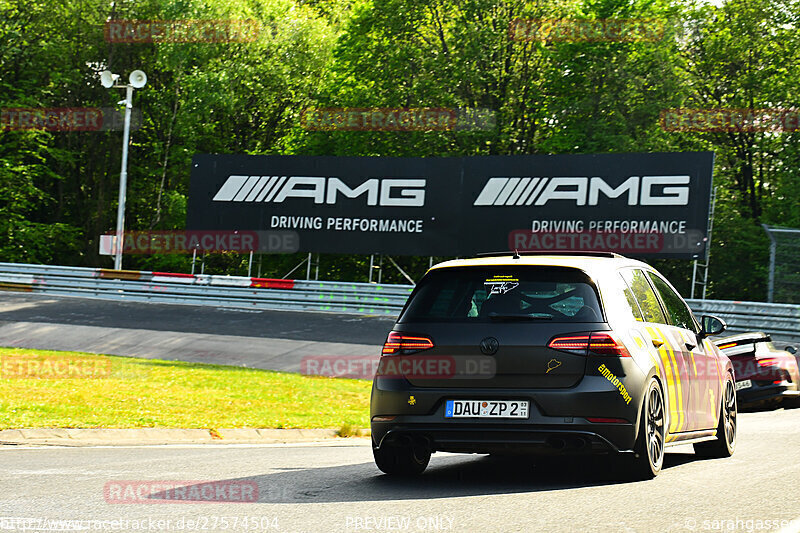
(371, 265)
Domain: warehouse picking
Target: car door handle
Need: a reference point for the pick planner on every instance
(657, 343)
(690, 346)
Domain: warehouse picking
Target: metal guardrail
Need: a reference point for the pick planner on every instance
(219, 291)
(782, 321)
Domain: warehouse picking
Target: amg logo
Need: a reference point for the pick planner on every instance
(584, 190)
(386, 192)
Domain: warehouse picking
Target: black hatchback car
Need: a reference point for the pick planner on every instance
(567, 353)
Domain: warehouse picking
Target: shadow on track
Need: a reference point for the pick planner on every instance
(447, 477)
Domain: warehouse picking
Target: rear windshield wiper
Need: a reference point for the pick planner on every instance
(510, 317)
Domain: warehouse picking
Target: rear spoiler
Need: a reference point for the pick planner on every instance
(723, 344)
(573, 253)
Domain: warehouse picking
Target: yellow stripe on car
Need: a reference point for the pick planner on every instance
(673, 360)
(687, 339)
(671, 387)
(714, 409)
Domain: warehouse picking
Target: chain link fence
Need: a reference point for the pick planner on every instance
(784, 264)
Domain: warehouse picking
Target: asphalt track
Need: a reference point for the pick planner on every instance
(333, 487)
(274, 340)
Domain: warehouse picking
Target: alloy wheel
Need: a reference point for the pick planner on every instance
(655, 426)
(729, 412)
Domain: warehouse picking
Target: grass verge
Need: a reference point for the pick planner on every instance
(124, 392)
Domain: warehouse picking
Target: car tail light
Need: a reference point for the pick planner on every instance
(575, 343)
(598, 343)
(777, 382)
(404, 344)
(767, 362)
(596, 420)
(727, 345)
(606, 344)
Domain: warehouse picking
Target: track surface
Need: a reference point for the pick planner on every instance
(336, 487)
(276, 340)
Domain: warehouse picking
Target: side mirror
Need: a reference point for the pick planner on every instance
(712, 325)
(791, 349)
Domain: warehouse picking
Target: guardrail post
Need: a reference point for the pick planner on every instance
(772, 250)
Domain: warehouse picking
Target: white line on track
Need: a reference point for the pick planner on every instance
(353, 443)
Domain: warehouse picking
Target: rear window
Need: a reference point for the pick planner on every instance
(480, 294)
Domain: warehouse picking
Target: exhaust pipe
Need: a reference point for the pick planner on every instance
(577, 443)
(573, 443)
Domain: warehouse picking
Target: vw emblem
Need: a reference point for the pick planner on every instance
(489, 346)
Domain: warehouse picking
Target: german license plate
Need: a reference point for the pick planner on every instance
(486, 409)
(745, 384)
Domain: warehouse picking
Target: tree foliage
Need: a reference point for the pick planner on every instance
(58, 190)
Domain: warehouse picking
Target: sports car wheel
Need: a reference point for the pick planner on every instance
(649, 449)
(725, 443)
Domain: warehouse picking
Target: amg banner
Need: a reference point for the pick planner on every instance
(636, 204)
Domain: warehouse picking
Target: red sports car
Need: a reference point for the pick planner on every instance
(764, 374)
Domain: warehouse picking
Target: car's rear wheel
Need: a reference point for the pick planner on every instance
(401, 460)
(648, 454)
(725, 443)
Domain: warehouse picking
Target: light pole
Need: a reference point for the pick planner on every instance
(136, 80)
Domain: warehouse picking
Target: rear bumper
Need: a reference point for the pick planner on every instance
(758, 395)
(578, 438)
(557, 421)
